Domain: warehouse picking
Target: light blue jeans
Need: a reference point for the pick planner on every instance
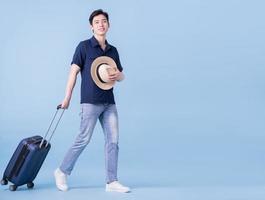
(108, 117)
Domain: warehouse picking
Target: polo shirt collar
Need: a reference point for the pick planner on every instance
(95, 43)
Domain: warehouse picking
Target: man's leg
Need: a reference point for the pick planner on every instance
(109, 123)
(89, 116)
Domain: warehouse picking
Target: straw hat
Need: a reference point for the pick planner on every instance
(101, 68)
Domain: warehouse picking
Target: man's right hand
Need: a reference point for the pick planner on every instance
(65, 104)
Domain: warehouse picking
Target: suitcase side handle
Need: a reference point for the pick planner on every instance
(47, 132)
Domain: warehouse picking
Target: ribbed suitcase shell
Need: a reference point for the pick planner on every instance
(26, 161)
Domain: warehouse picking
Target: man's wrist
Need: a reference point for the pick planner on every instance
(121, 77)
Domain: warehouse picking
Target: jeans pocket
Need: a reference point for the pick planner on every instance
(81, 112)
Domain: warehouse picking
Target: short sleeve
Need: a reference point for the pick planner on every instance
(79, 55)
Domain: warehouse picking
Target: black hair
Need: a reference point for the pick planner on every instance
(98, 12)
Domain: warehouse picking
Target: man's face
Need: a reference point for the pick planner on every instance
(100, 25)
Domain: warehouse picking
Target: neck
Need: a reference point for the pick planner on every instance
(101, 39)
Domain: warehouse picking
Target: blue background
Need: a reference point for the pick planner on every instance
(191, 107)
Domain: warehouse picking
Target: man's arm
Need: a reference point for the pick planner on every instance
(75, 69)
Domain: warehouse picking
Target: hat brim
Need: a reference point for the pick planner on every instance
(94, 67)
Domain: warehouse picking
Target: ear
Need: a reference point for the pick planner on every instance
(92, 29)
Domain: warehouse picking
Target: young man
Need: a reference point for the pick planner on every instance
(96, 103)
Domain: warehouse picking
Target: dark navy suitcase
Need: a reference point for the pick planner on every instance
(27, 159)
(25, 163)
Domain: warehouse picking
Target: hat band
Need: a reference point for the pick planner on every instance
(99, 74)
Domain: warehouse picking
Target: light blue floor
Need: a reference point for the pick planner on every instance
(145, 185)
(220, 171)
(90, 191)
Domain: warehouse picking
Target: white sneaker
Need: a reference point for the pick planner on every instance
(115, 186)
(60, 180)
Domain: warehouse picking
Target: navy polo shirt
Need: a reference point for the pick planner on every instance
(86, 52)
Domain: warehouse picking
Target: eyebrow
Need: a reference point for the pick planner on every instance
(100, 20)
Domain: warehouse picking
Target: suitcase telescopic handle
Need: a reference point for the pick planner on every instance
(47, 132)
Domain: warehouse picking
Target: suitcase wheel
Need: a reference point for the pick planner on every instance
(30, 185)
(4, 181)
(12, 187)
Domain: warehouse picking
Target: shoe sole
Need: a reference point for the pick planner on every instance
(121, 191)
